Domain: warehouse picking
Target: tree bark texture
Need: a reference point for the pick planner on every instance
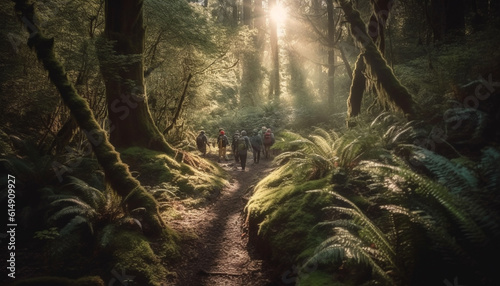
(358, 87)
(131, 123)
(388, 88)
(117, 173)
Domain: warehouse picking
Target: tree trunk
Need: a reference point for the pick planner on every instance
(234, 8)
(358, 87)
(274, 81)
(131, 122)
(388, 88)
(251, 62)
(447, 18)
(117, 173)
(247, 13)
(260, 23)
(378, 22)
(331, 54)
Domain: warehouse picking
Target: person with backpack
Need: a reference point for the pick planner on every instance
(234, 144)
(222, 143)
(202, 142)
(257, 145)
(262, 131)
(243, 144)
(268, 141)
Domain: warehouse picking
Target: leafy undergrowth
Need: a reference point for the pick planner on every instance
(194, 180)
(280, 215)
(397, 213)
(78, 226)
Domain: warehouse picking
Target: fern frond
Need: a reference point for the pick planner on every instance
(344, 223)
(456, 177)
(490, 170)
(442, 239)
(322, 145)
(82, 190)
(71, 211)
(75, 201)
(346, 246)
(74, 224)
(426, 187)
(363, 220)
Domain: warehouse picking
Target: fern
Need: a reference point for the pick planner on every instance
(428, 188)
(82, 201)
(354, 239)
(313, 157)
(344, 245)
(489, 167)
(454, 176)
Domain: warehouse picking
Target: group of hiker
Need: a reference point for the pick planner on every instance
(241, 142)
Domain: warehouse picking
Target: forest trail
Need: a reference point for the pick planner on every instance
(217, 253)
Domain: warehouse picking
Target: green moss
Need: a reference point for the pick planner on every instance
(286, 215)
(154, 168)
(131, 252)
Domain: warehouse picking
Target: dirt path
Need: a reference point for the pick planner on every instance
(218, 253)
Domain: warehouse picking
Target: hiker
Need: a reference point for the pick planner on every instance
(202, 142)
(222, 142)
(262, 131)
(236, 136)
(268, 141)
(257, 145)
(243, 145)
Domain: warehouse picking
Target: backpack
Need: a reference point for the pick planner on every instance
(242, 145)
(222, 141)
(268, 139)
(235, 139)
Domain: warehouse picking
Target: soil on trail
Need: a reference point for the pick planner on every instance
(218, 252)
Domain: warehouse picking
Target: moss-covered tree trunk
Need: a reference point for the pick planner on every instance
(117, 173)
(358, 87)
(388, 88)
(131, 123)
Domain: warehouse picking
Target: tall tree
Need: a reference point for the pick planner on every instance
(131, 123)
(446, 18)
(274, 79)
(259, 22)
(331, 53)
(247, 13)
(371, 66)
(251, 75)
(117, 173)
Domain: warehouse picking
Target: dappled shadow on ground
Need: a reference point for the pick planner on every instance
(215, 248)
